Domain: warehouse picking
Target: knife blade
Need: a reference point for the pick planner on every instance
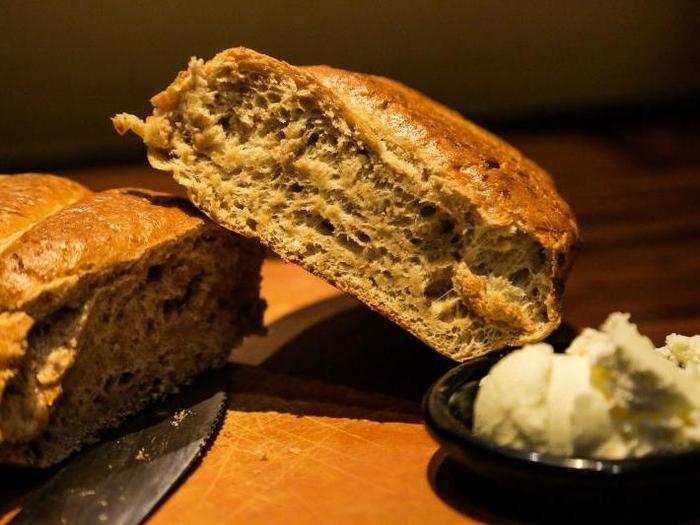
(123, 478)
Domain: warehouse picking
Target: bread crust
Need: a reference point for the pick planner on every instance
(507, 187)
(27, 198)
(69, 256)
(100, 231)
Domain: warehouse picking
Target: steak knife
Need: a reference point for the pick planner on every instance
(122, 479)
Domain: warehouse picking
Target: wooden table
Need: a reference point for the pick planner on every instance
(327, 428)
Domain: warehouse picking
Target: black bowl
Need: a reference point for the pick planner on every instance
(448, 409)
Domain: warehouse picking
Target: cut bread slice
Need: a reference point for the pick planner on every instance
(107, 304)
(424, 216)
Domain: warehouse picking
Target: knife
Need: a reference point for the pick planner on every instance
(123, 478)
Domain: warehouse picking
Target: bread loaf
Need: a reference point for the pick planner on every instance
(108, 301)
(421, 214)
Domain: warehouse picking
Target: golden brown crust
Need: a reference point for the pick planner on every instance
(27, 198)
(99, 231)
(507, 187)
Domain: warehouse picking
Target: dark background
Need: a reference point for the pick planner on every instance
(66, 66)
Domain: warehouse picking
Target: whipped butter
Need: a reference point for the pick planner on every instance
(611, 395)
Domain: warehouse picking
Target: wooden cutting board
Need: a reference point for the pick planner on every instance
(284, 456)
(325, 427)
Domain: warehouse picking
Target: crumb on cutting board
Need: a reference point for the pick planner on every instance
(178, 417)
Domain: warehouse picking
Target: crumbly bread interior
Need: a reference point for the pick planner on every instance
(122, 338)
(264, 154)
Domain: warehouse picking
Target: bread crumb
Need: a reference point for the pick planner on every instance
(142, 455)
(178, 417)
(102, 517)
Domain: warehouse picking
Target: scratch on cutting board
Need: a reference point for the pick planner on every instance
(320, 444)
(218, 475)
(333, 450)
(232, 448)
(302, 500)
(305, 504)
(289, 467)
(295, 462)
(340, 429)
(260, 430)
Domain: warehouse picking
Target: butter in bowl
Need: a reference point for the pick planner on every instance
(610, 411)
